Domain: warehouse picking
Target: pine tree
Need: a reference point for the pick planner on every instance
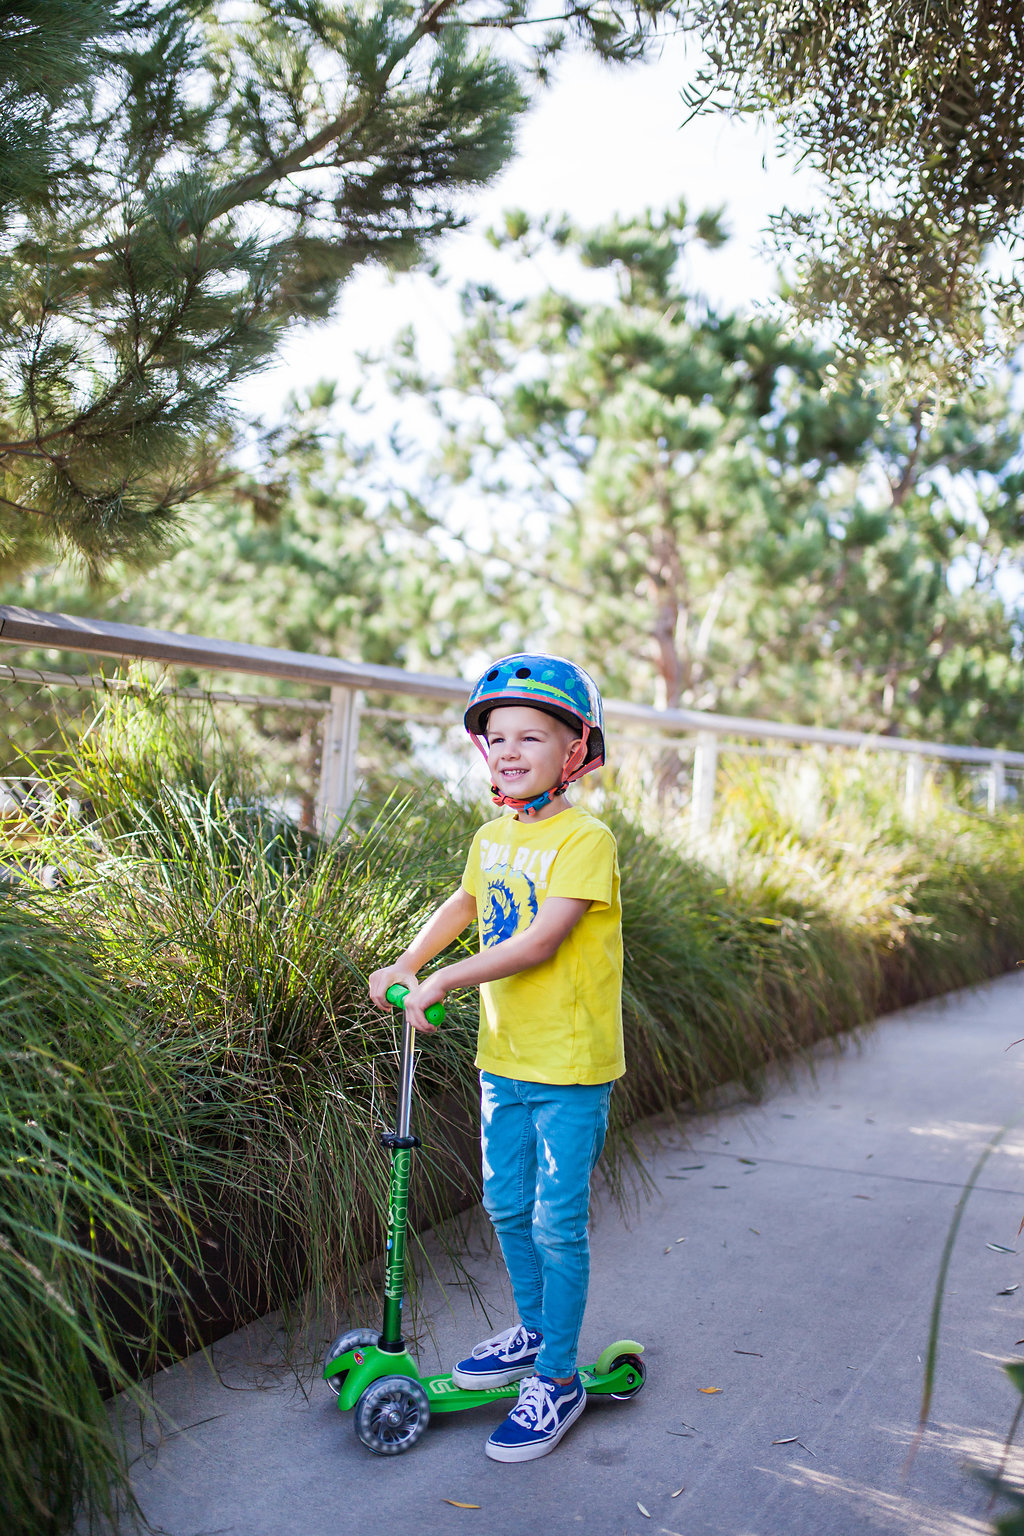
(711, 521)
(179, 183)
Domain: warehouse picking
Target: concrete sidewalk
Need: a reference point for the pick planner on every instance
(812, 1225)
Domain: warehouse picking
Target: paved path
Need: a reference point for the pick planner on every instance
(813, 1225)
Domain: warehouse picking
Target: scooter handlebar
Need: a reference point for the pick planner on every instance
(396, 995)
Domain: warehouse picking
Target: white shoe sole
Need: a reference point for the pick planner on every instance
(541, 1448)
(483, 1380)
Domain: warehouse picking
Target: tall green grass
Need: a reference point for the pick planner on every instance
(91, 1135)
(193, 1067)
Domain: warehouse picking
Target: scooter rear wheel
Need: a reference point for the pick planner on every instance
(638, 1366)
(391, 1415)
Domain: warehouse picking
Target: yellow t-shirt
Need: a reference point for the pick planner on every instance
(561, 1021)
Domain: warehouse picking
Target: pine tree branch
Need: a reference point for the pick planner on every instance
(279, 168)
(16, 506)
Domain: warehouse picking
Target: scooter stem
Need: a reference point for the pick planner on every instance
(400, 1142)
(404, 1112)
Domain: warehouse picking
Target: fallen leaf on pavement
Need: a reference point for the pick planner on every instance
(709, 1390)
(645, 1512)
(456, 1505)
(789, 1440)
(998, 1248)
(1009, 1290)
(750, 1161)
(756, 1353)
(677, 1492)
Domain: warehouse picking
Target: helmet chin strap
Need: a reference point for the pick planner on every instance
(530, 807)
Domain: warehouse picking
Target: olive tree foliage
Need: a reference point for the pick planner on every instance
(913, 112)
(180, 182)
(703, 510)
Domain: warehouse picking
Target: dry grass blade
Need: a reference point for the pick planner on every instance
(932, 1353)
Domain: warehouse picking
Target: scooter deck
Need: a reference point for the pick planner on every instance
(445, 1397)
(352, 1372)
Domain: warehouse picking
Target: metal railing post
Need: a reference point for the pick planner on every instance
(996, 787)
(338, 761)
(705, 767)
(913, 784)
(809, 796)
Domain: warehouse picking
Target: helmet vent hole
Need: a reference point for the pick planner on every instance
(523, 672)
(492, 675)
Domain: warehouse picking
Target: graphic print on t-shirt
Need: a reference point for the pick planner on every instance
(503, 913)
(560, 1021)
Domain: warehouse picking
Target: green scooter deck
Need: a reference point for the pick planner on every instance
(351, 1373)
(445, 1397)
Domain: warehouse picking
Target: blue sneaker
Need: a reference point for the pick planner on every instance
(539, 1420)
(508, 1357)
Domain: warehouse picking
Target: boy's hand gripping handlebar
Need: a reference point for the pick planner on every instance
(396, 995)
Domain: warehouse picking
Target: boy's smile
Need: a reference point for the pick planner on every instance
(527, 750)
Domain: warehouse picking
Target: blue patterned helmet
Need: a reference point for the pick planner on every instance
(549, 683)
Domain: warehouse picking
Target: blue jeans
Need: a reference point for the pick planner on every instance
(540, 1143)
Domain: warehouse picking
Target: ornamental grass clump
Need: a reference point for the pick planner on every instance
(92, 1140)
(937, 893)
(245, 943)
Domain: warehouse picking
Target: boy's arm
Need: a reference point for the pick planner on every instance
(436, 934)
(553, 923)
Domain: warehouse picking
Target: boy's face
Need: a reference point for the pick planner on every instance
(527, 750)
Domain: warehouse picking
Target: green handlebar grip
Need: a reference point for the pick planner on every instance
(396, 994)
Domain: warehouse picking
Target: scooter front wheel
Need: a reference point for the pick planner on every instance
(353, 1338)
(391, 1415)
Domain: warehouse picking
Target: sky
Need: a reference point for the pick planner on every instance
(599, 142)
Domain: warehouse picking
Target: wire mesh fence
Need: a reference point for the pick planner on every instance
(45, 714)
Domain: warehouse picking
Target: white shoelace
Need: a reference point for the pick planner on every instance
(536, 1406)
(502, 1343)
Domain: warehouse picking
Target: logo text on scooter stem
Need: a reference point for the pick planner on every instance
(395, 1274)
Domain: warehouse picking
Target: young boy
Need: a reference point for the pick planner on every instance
(543, 884)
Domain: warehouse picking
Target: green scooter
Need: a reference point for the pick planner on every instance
(373, 1372)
